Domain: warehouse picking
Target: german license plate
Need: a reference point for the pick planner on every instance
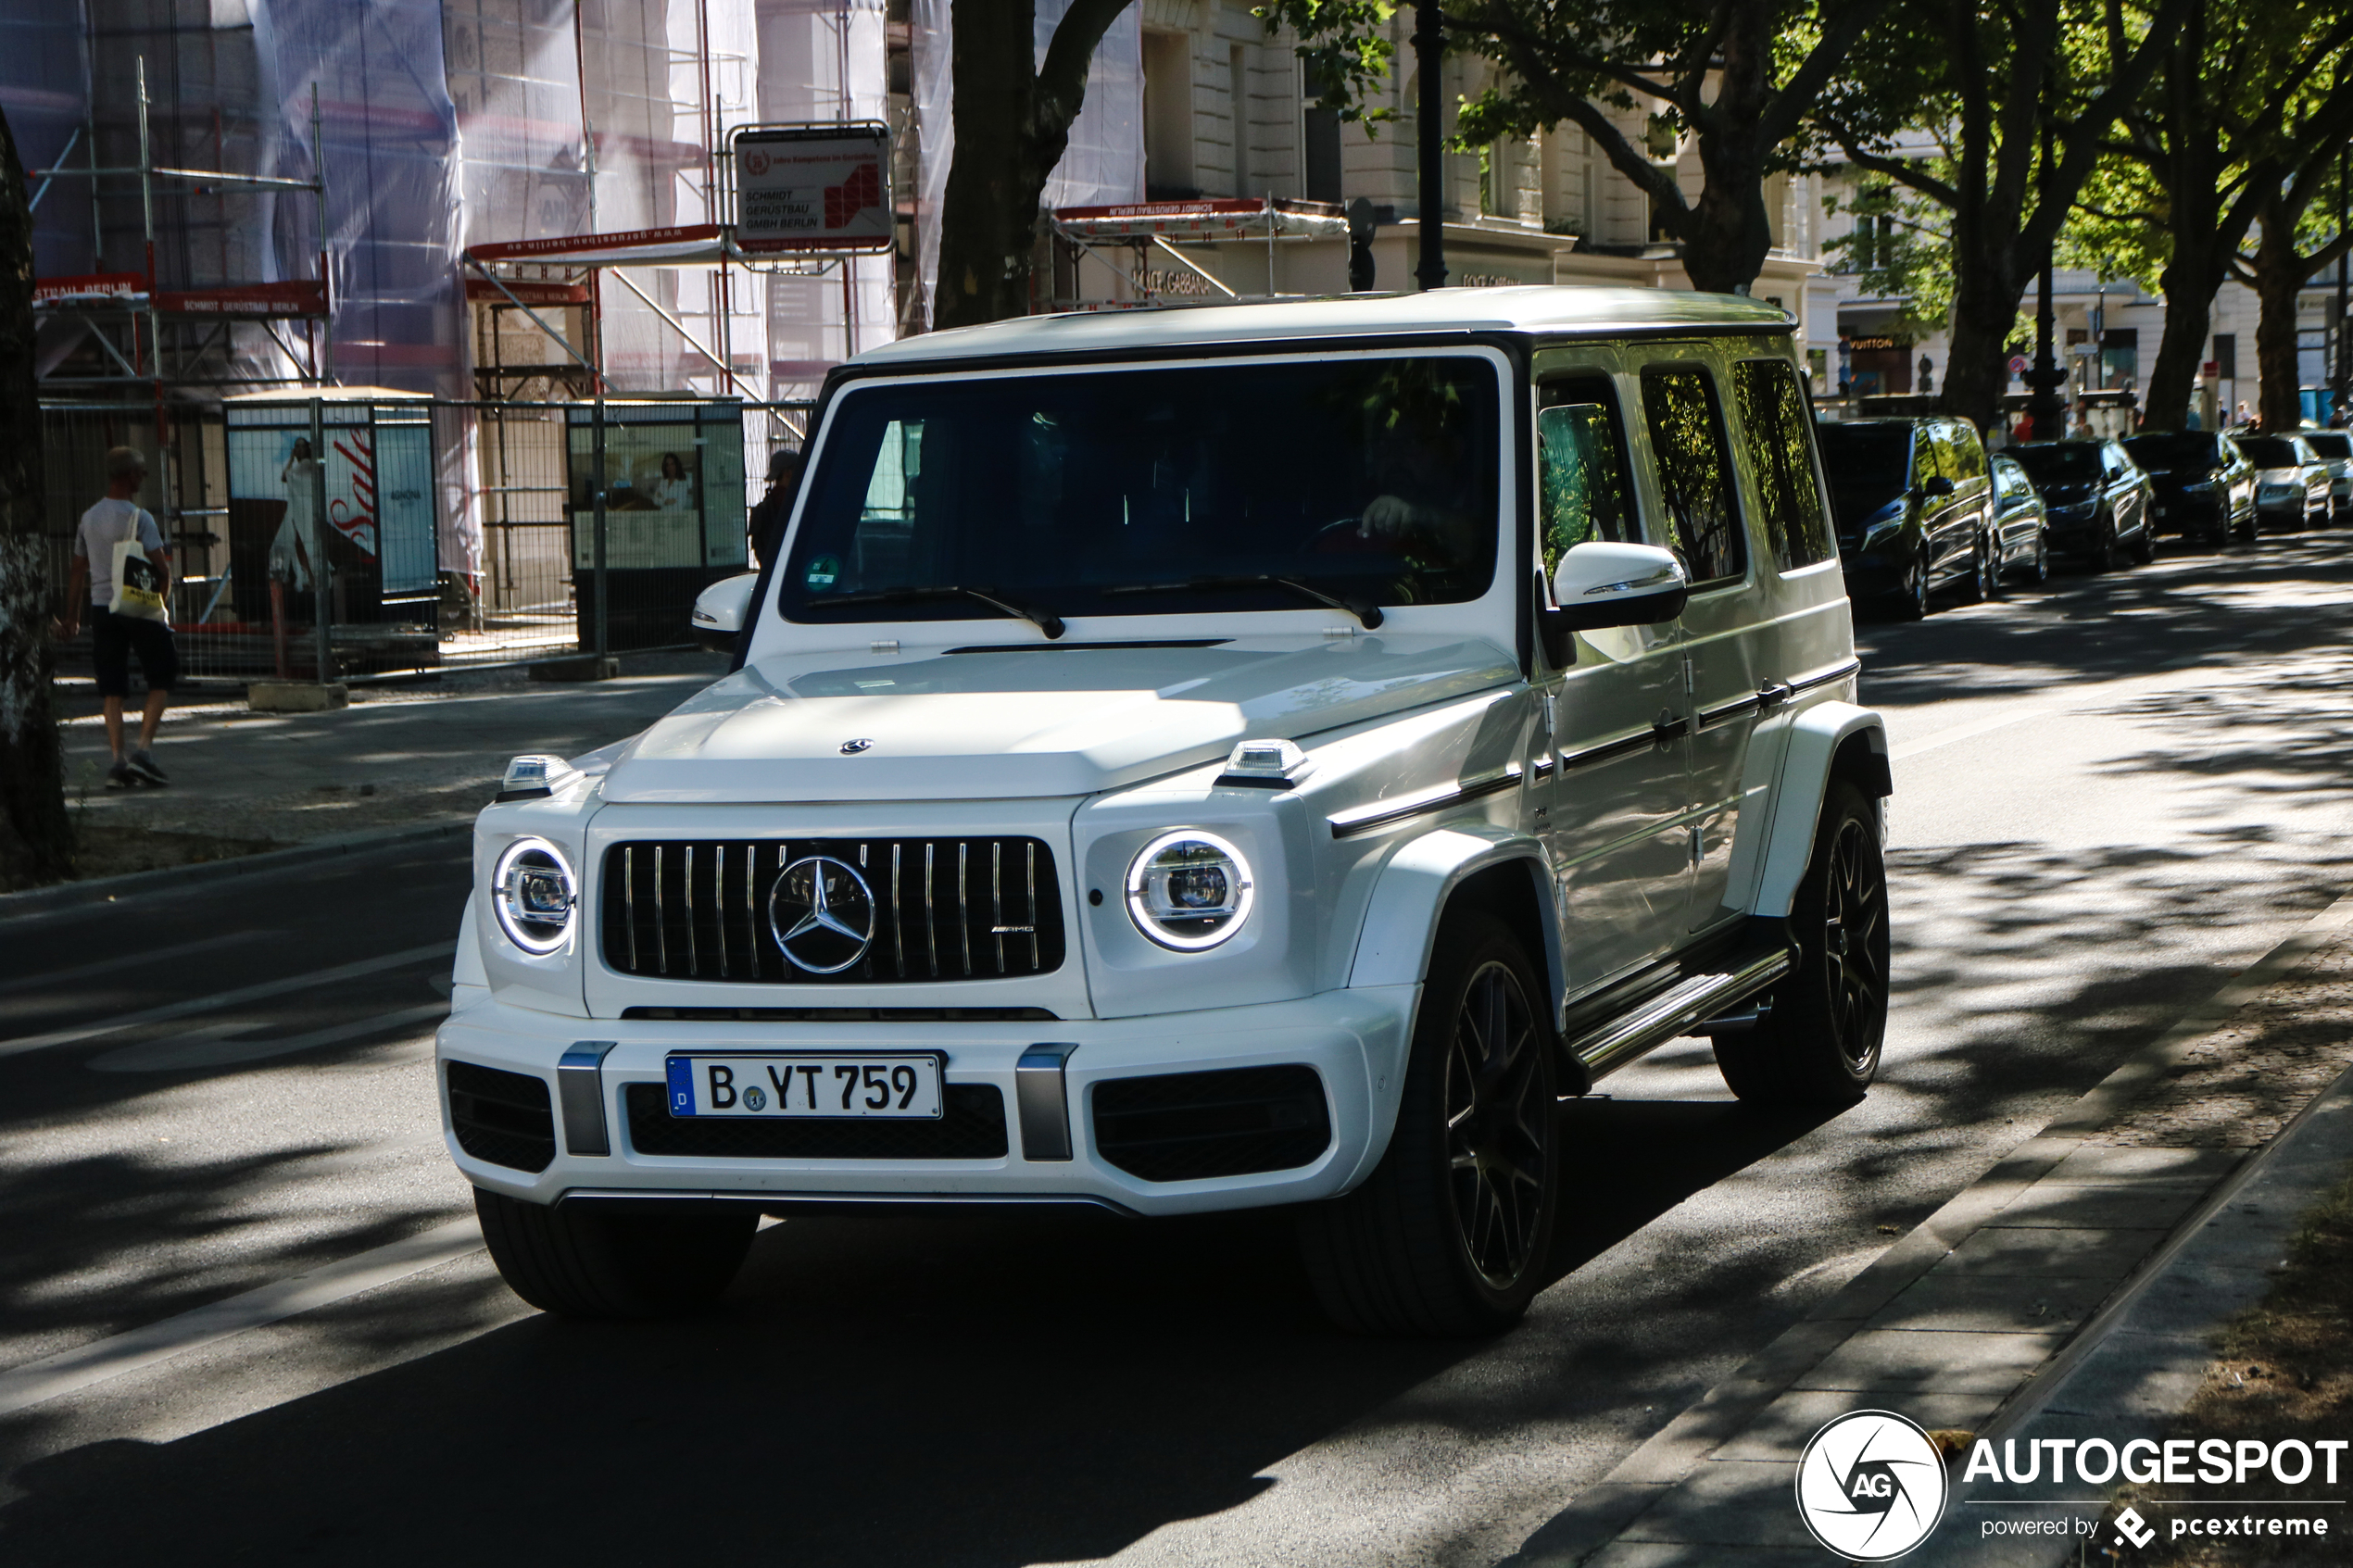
(805, 1086)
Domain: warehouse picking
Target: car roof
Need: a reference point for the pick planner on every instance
(1535, 310)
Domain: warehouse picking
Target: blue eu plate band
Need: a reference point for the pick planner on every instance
(1037, 1095)
(580, 1085)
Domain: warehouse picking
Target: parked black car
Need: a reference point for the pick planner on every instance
(2097, 498)
(2205, 487)
(1914, 508)
(2021, 527)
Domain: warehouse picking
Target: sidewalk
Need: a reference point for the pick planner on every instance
(1966, 1325)
(396, 757)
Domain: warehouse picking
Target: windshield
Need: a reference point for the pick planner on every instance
(2271, 452)
(2066, 462)
(1868, 464)
(2159, 454)
(1370, 480)
(2329, 446)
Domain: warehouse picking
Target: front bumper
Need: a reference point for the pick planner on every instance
(1355, 1040)
(2183, 511)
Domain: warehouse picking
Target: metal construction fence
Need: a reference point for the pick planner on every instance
(361, 532)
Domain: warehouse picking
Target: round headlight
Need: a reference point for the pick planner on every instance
(532, 891)
(1189, 890)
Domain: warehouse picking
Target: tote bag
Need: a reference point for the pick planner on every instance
(138, 582)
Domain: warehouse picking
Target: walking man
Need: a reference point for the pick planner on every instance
(114, 638)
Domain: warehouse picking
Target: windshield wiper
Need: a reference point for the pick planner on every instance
(1368, 614)
(1050, 624)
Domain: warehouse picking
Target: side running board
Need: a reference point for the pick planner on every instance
(1675, 1011)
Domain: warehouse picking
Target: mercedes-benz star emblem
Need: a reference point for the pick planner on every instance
(823, 914)
(852, 747)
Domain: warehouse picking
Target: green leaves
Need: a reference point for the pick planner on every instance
(1347, 48)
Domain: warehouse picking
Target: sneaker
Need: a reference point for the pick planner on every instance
(119, 776)
(144, 766)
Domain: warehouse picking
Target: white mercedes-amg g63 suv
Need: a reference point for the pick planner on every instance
(1196, 759)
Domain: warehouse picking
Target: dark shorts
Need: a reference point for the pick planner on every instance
(114, 638)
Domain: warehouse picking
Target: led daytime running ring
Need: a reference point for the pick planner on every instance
(533, 933)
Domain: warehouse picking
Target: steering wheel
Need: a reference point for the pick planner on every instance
(1337, 538)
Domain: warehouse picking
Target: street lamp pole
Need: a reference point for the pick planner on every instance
(2344, 350)
(2045, 405)
(1430, 47)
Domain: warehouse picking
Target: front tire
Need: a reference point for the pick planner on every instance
(596, 1261)
(1984, 570)
(1450, 1233)
(1911, 600)
(1820, 1039)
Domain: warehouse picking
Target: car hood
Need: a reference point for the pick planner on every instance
(1031, 720)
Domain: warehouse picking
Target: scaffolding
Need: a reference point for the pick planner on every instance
(157, 338)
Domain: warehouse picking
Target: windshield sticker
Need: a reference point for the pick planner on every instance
(822, 571)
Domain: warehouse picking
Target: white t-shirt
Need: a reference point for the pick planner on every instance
(103, 527)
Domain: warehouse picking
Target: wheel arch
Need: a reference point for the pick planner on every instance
(1829, 740)
(1468, 865)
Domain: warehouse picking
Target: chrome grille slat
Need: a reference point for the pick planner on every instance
(963, 901)
(699, 889)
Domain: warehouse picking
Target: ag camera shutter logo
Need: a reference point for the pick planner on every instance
(1870, 1486)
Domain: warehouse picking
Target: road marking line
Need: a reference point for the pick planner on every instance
(149, 955)
(79, 1368)
(205, 1048)
(225, 999)
(1968, 731)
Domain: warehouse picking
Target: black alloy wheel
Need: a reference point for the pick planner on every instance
(2245, 527)
(1821, 1035)
(2038, 564)
(1498, 1139)
(2146, 551)
(1911, 601)
(1986, 563)
(1451, 1234)
(2106, 556)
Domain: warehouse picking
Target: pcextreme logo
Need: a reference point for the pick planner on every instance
(1870, 1486)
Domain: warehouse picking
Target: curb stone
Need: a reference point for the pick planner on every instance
(2138, 1363)
(168, 879)
(1718, 1429)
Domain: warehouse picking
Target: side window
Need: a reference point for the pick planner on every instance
(1969, 451)
(1924, 464)
(1949, 453)
(1779, 429)
(1583, 488)
(1694, 470)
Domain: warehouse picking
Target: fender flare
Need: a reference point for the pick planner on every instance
(1814, 738)
(1401, 918)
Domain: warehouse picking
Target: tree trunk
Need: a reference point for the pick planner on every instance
(1727, 233)
(988, 220)
(2190, 280)
(1013, 123)
(36, 837)
(2279, 276)
(1976, 366)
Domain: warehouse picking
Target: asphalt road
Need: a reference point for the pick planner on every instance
(2112, 795)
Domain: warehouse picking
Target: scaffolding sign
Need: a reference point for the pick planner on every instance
(812, 190)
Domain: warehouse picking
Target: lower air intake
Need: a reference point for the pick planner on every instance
(1186, 1126)
(501, 1118)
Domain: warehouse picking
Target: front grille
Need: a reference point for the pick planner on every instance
(501, 1118)
(1185, 1126)
(943, 909)
(972, 1127)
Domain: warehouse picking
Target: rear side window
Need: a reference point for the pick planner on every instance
(1584, 490)
(1694, 470)
(1775, 419)
(1968, 452)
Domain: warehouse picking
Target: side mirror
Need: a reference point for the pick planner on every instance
(1601, 584)
(720, 610)
(1935, 487)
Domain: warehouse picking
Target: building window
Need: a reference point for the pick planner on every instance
(1168, 116)
(1322, 127)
